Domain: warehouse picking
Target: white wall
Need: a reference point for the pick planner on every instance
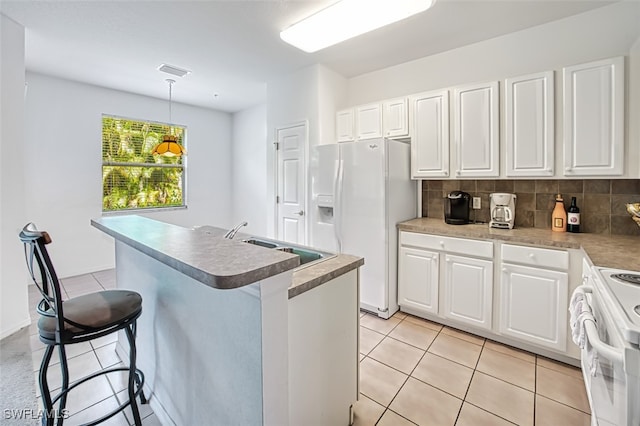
(14, 312)
(249, 168)
(63, 183)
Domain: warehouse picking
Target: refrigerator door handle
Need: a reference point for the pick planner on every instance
(337, 214)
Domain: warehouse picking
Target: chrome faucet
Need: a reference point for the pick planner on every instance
(232, 232)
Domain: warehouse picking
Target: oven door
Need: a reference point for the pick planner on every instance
(603, 367)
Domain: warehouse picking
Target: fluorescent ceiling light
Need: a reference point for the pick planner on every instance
(349, 18)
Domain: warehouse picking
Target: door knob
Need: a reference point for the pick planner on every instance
(300, 213)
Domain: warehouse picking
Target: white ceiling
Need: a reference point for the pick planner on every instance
(233, 46)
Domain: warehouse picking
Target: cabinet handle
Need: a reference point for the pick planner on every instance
(505, 270)
(550, 170)
(446, 173)
(441, 243)
(567, 169)
(531, 255)
(457, 172)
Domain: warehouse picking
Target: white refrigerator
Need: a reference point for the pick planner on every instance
(360, 191)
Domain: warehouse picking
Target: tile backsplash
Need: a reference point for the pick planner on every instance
(601, 201)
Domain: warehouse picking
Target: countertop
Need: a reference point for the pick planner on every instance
(611, 251)
(203, 254)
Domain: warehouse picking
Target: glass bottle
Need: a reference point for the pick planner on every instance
(559, 216)
(573, 217)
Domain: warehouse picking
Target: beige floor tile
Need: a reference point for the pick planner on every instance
(105, 340)
(426, 405)
(457, 350)
(379, 382)
(561, 367)
(107, 355)
(562, 388)
(378, 324)
(551, 413)
(98, 410)
(443, 374)
(118, 379)
(152, 420)
(71, 350)
(399, 315)
(470, 415)
(501, 398)
(397, 354)
(366, 412)
(510, 369)
(423, 322)
(393, 419)
(369, 339)
(88, 394)
(361, 357)
(510, 350)
(79, 366)
(471, 338)
(414, 334)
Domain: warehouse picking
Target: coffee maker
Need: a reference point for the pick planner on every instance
(456, 208)
(503, 210)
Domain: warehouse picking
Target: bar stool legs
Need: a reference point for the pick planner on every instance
(135, 382)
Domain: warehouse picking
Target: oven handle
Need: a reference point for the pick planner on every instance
(613, 354)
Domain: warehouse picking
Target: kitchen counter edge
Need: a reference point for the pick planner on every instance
(308, 278)
(611, 251)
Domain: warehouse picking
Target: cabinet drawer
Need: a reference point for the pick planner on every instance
(449, 244)
(556, 259)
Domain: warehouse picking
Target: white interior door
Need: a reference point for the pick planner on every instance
(291, 184)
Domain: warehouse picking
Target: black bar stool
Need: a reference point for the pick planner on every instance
(78, 320)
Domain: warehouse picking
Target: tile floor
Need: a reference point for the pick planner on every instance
(412, 371)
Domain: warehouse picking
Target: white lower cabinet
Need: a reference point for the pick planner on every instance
(418, 278)
(437, 277)
(533, 305)
(468, 285)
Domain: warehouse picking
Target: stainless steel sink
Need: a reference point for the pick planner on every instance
(307, 255)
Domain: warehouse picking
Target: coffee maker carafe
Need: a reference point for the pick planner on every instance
(456, 208)
(503, 210)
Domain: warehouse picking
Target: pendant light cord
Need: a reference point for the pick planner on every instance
(170, 81)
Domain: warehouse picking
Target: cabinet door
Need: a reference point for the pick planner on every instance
(476, 132)
(529, 129)
(467, 287)
(395, 119)
(368, 121)
(533, 305)
(429, 119)
(344, 125)
(594, 118)
(418, 279)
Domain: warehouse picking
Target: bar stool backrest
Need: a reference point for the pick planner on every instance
(43, 275)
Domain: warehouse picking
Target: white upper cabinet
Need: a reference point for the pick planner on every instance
(395, 119)
(529, 127)
(594, 118)
(344, 125)
(429, 120)
(476, 133)
(368, 121)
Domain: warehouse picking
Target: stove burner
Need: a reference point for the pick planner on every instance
(629, 278)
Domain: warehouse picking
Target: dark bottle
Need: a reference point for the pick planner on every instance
(573, 217)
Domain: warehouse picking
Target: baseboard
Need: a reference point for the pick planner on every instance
(15, 328)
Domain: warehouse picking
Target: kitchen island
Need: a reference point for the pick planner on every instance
(233, 333)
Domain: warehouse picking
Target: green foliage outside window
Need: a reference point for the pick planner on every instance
(132, 177)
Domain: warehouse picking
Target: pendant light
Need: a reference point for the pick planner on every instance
(169, 147)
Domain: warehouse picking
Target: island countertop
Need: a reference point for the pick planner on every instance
(214, 261)
(612, 251)
(203, 254)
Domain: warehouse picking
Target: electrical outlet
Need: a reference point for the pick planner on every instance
(476, 203)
